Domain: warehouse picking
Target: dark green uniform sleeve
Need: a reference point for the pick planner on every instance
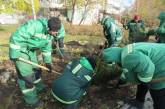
(143, 25)
(46, 51)
(127, 25)
(161, 29)
(139, 64)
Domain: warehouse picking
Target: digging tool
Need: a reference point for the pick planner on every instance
(57, 45)
(37, 65)
(156, 80)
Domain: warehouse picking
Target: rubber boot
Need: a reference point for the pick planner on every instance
(38, 82)
(30, 94)
(40, 87)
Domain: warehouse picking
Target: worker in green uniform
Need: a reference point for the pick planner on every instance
(31, 36)
(111, 31)
(141, 63)
(58, 42)
(136, 29)
(70, 87)
(160, 31)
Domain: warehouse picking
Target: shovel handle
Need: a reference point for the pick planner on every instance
(37, 65)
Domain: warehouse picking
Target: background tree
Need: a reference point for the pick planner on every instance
(84, 5)
(149, 10)
(87, 6)
(21, 6)
(71, 4)
(6, 6)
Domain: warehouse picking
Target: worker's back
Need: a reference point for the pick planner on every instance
(72, 84)
(144, 57)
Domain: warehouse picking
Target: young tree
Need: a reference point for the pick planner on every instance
(84, 5)
(75, 4)
(6, 6)
(26, 5)
(71, 5)
(12, 6)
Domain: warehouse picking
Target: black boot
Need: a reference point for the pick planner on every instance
(39, 104)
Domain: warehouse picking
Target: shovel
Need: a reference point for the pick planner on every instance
(37, 65)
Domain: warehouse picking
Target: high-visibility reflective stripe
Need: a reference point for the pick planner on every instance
(70, 63)
(77, 68)
(61, 48)
(37, 81)
(62, 101)
(123, 74)
(43, 36)
(144, 79)
(119, 38)
(113, 26)
(28, 90)
(47, 53)
(85, 93)
(87, 77)
(14, 46)
(130, 48)
(125, 70)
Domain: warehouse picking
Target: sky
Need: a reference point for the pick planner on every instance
(127, 3)
(121, 4)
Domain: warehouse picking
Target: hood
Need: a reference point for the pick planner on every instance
(112, 54)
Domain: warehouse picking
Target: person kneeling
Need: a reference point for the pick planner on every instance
(71, 86)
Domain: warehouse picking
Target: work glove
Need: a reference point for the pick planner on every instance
(49, 66)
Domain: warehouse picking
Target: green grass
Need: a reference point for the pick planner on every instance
(84, 39)
(5, 32)
(8, 28)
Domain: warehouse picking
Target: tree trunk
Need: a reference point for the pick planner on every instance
(73, 10)
(85, 11)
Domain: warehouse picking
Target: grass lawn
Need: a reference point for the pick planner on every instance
(5, 32)
(84, 39)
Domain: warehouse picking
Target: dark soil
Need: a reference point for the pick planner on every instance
(99, 96)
